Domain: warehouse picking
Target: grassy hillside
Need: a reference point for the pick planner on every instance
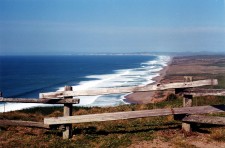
(121, 133)
(152, 131)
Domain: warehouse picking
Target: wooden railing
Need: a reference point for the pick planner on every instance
(66, 97)
(117, 90)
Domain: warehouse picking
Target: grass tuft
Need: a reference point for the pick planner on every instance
(218, 135)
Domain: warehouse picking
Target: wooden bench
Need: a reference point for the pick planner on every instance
(66, 97)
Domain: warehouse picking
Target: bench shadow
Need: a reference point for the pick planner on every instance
(203, 128)
(220, 107)
(117, 130)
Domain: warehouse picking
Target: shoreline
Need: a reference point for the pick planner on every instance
(199, 67)
(147, 97)
(87, 101)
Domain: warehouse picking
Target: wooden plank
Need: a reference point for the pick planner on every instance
(51, 94)
(67, 111)
(23, 123)
(118, 90)
(134, 114)
(43, 100)
(204, 92)
(187, 102)
(204, 119)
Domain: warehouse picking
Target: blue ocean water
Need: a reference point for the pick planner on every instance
(27, 76)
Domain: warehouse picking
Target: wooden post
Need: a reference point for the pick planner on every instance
(68, 112)
(187, 102)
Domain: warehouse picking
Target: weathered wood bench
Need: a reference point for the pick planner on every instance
(66, 97)
(134, 114)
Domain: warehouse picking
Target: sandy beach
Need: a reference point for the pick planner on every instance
(148, 97)
(199, 67)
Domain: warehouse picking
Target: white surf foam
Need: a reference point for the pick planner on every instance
(7, 107)
(142, 75)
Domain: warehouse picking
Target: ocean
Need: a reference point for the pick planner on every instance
(27, 76)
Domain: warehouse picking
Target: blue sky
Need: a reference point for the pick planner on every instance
(90, 26)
